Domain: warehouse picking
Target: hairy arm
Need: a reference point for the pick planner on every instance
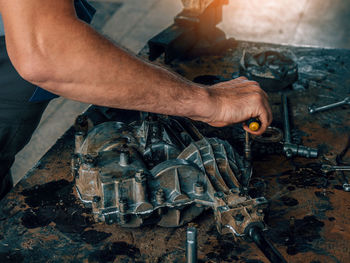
(51, 48)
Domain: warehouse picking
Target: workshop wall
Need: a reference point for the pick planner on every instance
(323, 23)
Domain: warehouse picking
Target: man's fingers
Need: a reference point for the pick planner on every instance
(239, 79)
(241, 82)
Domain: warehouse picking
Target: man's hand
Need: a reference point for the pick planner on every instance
(236, 101)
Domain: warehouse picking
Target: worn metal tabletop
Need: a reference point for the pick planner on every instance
(42, 220)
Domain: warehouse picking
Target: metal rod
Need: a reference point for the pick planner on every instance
(329, 168)
(287, 136)
(191, 245)
(330, 106)
(341, 168)
(265, 246)
(247, 150)
(247, 174)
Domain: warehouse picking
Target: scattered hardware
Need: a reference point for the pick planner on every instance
(191, 245)
(345, 101)
(273, 70)
(289, 148)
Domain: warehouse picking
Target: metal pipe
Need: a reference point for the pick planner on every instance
(287, 136)
(191, 245)
(265, 246)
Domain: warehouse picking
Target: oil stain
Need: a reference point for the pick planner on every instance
(11, 257)
(299, 237)
(94, 237)
(227, 249)
(303, 177)
(55, 202)
(109, 252)
(289, 201)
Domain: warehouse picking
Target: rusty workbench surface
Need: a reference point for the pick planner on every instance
(41, 220)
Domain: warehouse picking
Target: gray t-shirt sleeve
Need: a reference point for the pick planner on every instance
(2, 31)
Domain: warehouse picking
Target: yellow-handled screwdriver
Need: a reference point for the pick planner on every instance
(253, 124)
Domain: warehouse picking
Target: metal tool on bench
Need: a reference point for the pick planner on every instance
(326, 168)
(330, 168)
(345, 101)
(191, 245)
(289, 148)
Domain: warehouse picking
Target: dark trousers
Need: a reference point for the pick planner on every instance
(18, 117)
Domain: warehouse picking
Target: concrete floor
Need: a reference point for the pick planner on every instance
(130, 23)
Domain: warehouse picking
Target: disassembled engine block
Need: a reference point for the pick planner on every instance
(162, 170)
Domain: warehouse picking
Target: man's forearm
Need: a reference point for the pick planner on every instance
(70, 59)
(94, 70)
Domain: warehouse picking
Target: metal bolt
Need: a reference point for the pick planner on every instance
(91, 159)
(260, 212)
(96, 199)
(239, 217)
(124, 157)
(160, 196)
(198, 188)
(219, 194)
(140, 176)
(79, 139)
(123, 205)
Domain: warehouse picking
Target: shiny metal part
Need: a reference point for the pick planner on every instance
(339, 169)
(161, 170)
(289, 148)
(346, 187)
(345, 101)
(330, 168)
(191, 245)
